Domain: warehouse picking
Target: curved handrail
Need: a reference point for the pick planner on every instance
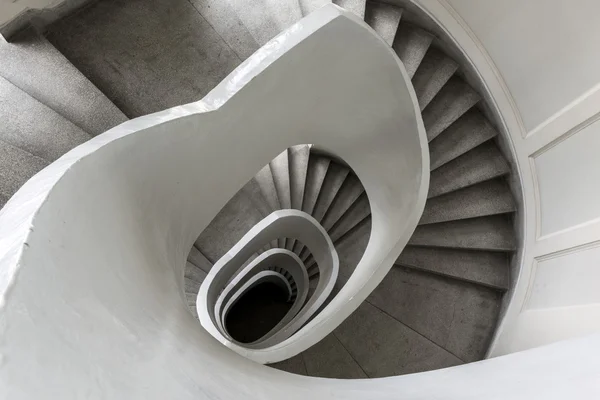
(282, 258)
(95, 244)
(282, 223)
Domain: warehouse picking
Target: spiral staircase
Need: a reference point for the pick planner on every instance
(437, 307)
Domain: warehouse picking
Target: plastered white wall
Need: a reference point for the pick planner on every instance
(546, 50)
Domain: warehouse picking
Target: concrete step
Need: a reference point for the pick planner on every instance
(350, 249)
(33, 127)
(478, 165)
(191, 286)
(195, 274)
(16, 167)
(336, 175)
(221, 15)
(280, 168)
(486, 198)
(458, 316)
(493, 233)
(360, 210)
(294, 365)
(455, 99)
(355, 6)
(196, 258)
(145, 56)
(264, 180)
(383, 346)
(350, 191)
(329, 359)
(298, 165)
(384, 19)
(317, 170)
(411, 44)
(480, 267)
(234, 220)
(432, 74)
(32, 64)
(468, 132)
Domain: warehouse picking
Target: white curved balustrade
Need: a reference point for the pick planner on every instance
(282, 223)
(254, 273)
(92, 248)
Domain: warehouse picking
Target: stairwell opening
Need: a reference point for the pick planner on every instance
(257, 312)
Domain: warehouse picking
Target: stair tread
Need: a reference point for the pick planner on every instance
(336, 175)
(452, 101)
(280, 168)
(264, 180)
(350, 191)
(486, 198)
(360, 210)
(481, 267)
(33, 127)
(16, 167)
(234, 220)
(432, 74)
(32, 64)
(298, 158)
(317, 170)
(384, 19)
(198, 259)
(355, 6)
(478, 165)
(492, 233)
(223, 18)
(411, 44)
(466, 133)
(383, 346)
(329, 359)
(145, 56)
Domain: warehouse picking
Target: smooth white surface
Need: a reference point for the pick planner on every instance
(568, 177)
(569, 279)
(93, 247)
(544, 49)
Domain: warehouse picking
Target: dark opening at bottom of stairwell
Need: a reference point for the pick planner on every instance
(257, 312)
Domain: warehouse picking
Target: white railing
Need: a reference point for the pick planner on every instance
(92, 249)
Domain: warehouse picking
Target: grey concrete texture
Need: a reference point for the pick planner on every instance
(494, 233)
(466, 133)
(383, 346)
(265, 19)
(348, 194)
(223, 18)
(317, 169)
(16, 167)
(264, 180)
(478, 165)
(458, 316)
(484, 268)
(433, 73)
(336, 175)
(452, 101)
(384, 19)
(234, 220)
(298, 157)
(195, 274)
(145, 55)
(280, 169)
(294, 365)
(486, 198)
(32, 64)
(329, 359)
(360, 210)
(411, 44)
(33, 127)
(197, 259)
(355, 6)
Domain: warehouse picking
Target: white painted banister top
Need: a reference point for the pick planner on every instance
(92, 249)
